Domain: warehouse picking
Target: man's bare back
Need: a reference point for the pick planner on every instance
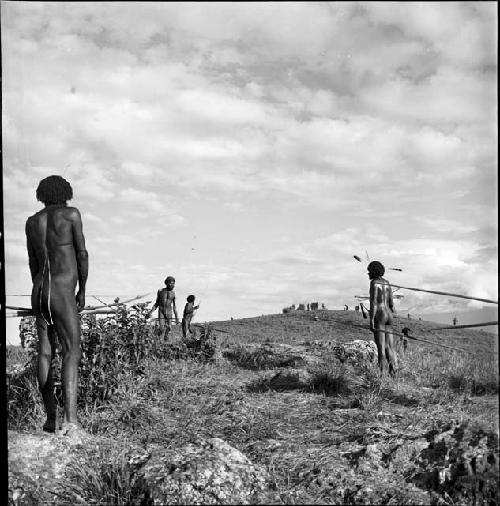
(381, 295)
(381, 316)
(58, 261)
(55, 238)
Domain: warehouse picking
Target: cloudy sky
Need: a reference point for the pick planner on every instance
(251, 150)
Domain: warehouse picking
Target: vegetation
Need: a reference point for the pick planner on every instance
(220, 384)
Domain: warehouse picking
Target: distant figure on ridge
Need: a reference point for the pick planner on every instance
(455, 321)
(381, 315)
(188, 314)
(165, 302)
(404, 340)
(58, 261)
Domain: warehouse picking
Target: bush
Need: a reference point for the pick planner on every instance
(111, 347)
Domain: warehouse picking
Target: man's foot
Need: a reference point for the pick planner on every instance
(71, 429)
(50, 426)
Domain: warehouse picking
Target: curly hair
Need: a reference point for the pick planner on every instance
(54, 190)
(169, 278)
(190, 298)
(375, 269)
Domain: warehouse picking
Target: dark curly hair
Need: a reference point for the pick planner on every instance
(375, 269)
(190, 298)
(169, 278)
(54, 190)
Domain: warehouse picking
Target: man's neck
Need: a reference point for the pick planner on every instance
(64, 204)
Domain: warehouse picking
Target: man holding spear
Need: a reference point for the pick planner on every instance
(58, 261)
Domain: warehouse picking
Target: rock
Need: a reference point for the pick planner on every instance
(37, 465)
(209, 472)
(356, 352)
(360, 476)
(48, 469)
(462, 462)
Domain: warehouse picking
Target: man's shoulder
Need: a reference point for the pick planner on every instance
(33, 218)
(70, 212)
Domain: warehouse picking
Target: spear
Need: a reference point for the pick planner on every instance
(485, 324)
(29, 312)
(445, 293)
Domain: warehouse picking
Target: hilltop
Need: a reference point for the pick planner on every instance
(298, 409)
(342, 326)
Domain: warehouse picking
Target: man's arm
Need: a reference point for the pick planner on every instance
(156, 304)
(82, 258)
(175, 310)
(33, 261)
(372, 305)
(391, 300)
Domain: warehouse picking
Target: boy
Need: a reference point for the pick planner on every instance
(165, 302)
(381, 316)
(188, 314)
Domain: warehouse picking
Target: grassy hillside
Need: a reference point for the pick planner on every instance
(343, 326)
(275, 390)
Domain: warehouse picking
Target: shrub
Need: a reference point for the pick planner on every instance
(111, 347)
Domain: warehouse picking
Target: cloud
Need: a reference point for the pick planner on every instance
(166, 115)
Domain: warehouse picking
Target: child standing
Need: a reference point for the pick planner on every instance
(188, 314)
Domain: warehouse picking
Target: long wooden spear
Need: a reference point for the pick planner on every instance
(444, 293)
(485, 324)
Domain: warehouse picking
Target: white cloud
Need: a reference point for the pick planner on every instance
(375, 120)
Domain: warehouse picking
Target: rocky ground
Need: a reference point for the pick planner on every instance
(290, 411)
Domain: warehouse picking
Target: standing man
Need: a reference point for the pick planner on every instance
(381, 317)
(165, 302)
(58, 261)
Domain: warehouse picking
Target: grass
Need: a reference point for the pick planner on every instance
(299, 427)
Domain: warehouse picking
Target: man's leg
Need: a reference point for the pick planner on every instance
(67, 324)
(161, 324)
(379, 335)
(46, 352)
(389, 351)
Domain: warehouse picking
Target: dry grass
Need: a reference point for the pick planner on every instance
(298, 431)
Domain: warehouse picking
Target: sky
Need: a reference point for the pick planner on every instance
(251, 149)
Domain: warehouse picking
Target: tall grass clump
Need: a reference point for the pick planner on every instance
(100, 476)
(466, 373)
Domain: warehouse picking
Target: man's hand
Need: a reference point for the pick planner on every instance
(80, 300)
